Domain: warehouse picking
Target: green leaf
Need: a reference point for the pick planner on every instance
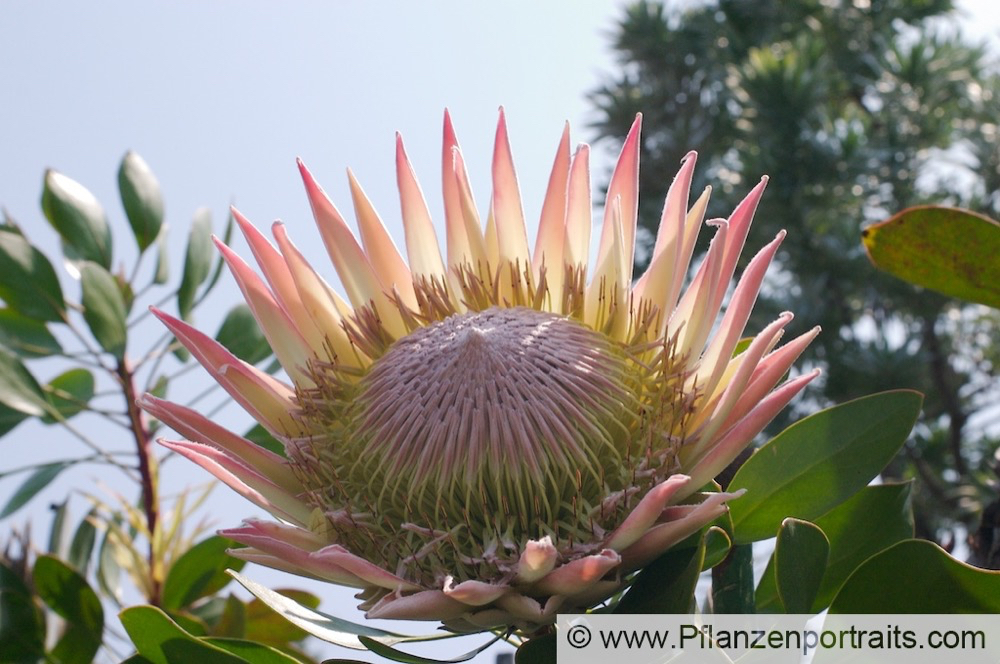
(58, 530)
(190, 623)
(159, 388)
(18, 388)
(539, 650)
(123, 546)
(232, 623)
(227, 236)
(179, 351)
(208, 613)
(197, 261)
(141, 198)
(394, 655)
(241, 335)
(108, 570)
(732, 581)
(8, 224)
(717, 547)
(200, 572)
(82, 545)
(263, 437)
(37, 481)
(333, 630)
(160, 640)
(742, 345)
(162, 272)
(66, 592)
(800, 556)
(69, 393)
(255, 653)
(104, 308)
(870, 521)
(78, 217)
(28, 283)
(667, 584)
(917, 576)
(820, 461)
(947, 250)
(9, 418)
(22, 622)
(266, 626)
(28, 337)
(125, 288)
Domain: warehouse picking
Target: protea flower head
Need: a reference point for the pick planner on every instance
(491, 438)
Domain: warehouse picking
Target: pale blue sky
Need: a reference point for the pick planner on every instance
(221, 97)
(220, 100)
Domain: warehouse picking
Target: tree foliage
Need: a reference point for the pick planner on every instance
(855, 110)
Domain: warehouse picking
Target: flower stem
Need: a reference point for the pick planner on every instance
(732, 579)
(147, 474)
(732, 582)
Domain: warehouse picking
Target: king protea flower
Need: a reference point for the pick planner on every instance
(491, 438)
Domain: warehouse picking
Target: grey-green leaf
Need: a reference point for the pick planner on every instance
(104, 308)
(18, 388)
(28, 283)
(28, 337)
(78, 217)
(197, 261)
(141, 198)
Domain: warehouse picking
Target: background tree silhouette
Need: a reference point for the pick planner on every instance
(855, 110)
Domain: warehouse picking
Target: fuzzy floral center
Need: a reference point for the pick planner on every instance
(485, 429)
(494, 406)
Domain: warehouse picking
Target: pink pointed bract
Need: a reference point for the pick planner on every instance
(492, 435)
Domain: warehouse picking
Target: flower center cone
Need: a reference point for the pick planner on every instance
(497, 426)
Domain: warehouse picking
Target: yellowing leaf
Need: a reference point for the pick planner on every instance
(947, 250)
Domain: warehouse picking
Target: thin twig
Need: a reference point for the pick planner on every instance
(147, 472)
